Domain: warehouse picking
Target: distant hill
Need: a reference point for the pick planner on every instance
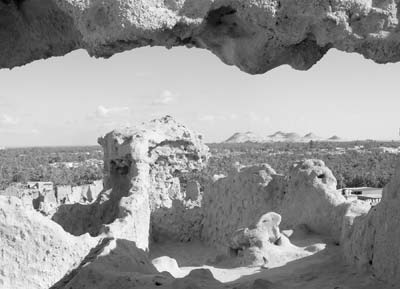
(242, 137)
(311, 136)
(334, 138)
(281, 136)
(278, 136)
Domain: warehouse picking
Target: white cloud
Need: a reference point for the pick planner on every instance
(105, 112)
(7, 120)
(166, 97)
(101, 111)
(11, 125)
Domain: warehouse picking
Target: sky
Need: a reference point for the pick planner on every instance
(74, 99)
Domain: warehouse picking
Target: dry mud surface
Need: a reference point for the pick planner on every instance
(320, 267)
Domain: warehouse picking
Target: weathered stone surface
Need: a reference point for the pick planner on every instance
(373, 242)
(193, 190)
(312, 199)
(142, 166)
(262, 244)
(114, 264)
(180, 153)
(257, 239)
(265, 230)
(47, 199)
(307, 196)
(34, 251)
(256, 36)
(237, 200)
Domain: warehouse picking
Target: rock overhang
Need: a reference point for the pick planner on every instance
(255, 36)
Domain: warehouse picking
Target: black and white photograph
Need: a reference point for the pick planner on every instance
(199, 144)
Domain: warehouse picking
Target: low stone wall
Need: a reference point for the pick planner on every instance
(48, 200)
(307, 196)
(312, 199)
(235, 201)
(78, 194)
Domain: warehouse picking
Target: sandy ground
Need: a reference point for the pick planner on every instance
(321, 266)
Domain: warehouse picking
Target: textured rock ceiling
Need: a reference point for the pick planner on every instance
(254, 35)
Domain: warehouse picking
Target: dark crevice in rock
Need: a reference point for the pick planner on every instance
(169, 143)
(36, 202)
(217, 17)
(17, 3)
(225, 23)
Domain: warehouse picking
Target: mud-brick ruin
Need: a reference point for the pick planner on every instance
(151, 190)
